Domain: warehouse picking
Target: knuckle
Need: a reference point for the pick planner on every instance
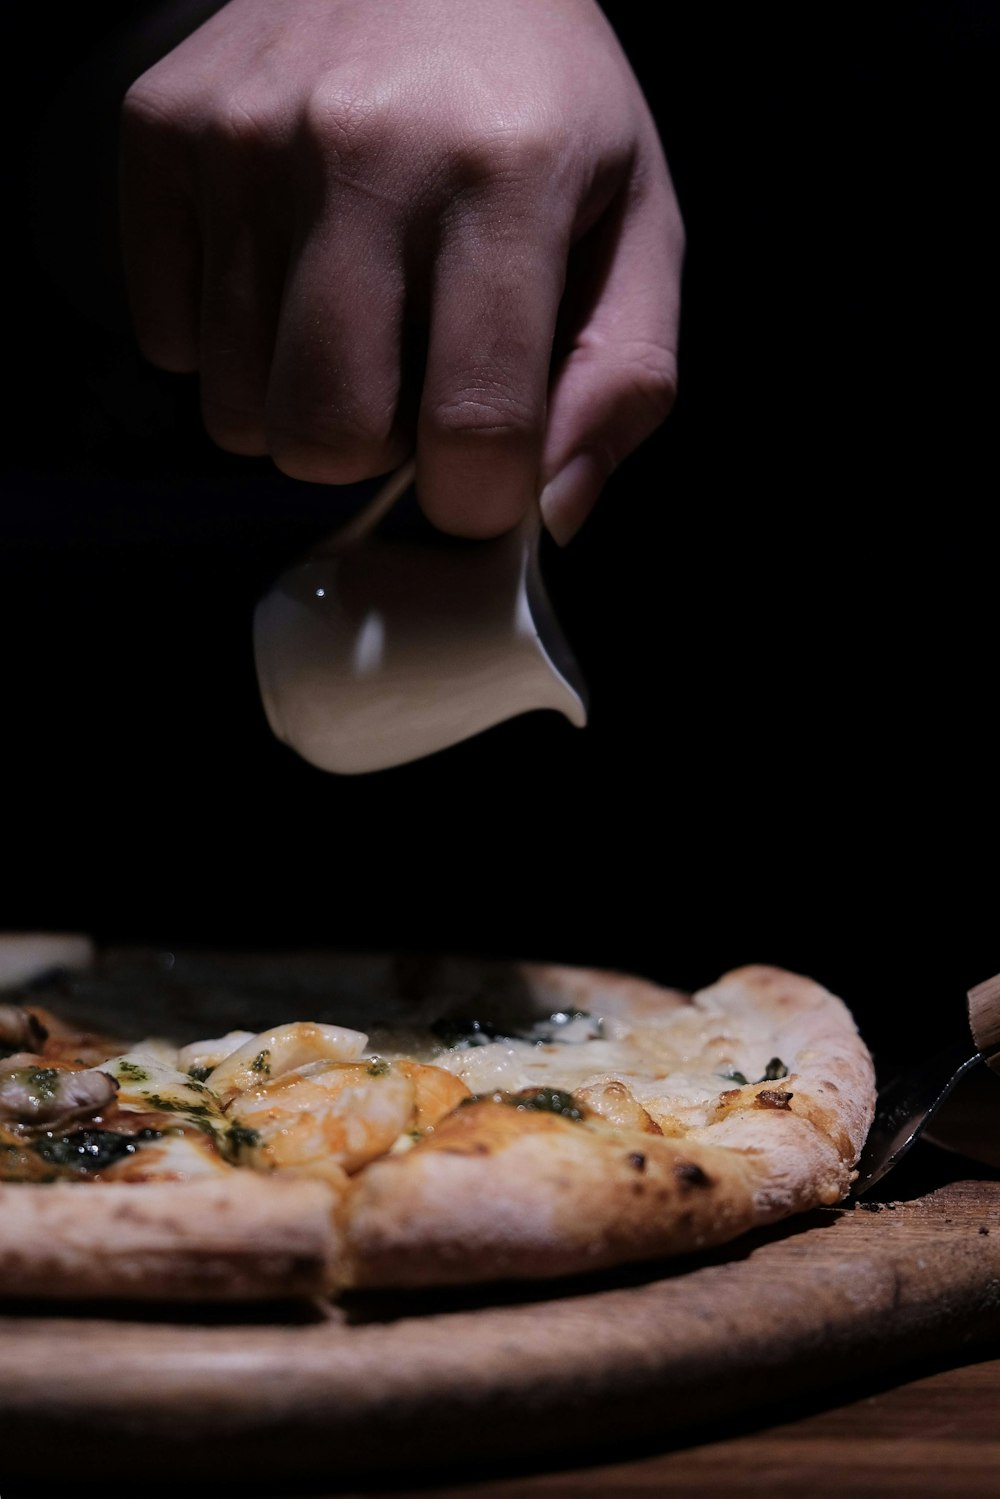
(344, 124)
(647, 375)
(656, 385)
(238, 118)
(149, 108)
(244, 119)
(354, 119)
(502, 151)
(482, 410)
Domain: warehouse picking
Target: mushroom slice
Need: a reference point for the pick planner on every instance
(20, 1030)
(50, 1096)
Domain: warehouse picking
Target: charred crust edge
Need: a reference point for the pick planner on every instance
(689, 1174)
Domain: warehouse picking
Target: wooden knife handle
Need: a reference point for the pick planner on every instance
(984, 1018)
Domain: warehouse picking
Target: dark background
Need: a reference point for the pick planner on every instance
(784, 607)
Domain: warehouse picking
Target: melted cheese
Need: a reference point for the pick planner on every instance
(676, 1067)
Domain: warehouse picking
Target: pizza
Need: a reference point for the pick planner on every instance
(541, 1121)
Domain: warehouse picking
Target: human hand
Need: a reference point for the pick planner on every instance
(374, 225)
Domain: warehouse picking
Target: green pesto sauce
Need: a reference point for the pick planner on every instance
(43, 1081)
(89, 1149)
(198, 1074)
(202, 1115)
(180, 1106)
(262, 1062)
(132, 1072)
(242, 1137)
(549, 1100)
(377, 1067)
(545, 1100)
(772, 1072)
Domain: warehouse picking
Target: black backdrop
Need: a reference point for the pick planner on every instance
(784, 607)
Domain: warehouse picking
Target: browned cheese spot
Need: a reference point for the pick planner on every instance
(770, 1098)
(637, 1160)
(484, 1127)
(689, 1174)
(728, 1100)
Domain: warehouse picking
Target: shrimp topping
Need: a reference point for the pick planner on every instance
(340, 1115)
(270, 1054)
(437, 1091)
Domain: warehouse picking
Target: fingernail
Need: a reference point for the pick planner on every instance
(568, 499)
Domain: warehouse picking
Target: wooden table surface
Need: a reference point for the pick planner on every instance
(933, 1433)
(937, 1433)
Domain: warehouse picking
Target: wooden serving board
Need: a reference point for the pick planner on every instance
(437, 1379)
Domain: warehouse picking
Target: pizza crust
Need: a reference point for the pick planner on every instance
(241, 1237)
(497, 1194)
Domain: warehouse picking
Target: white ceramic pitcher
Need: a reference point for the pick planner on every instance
(377, 650)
